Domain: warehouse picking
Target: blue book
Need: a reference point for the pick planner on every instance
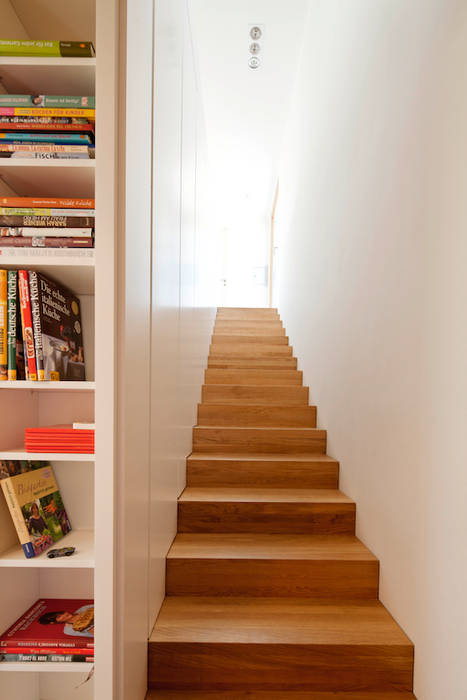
(50, 137)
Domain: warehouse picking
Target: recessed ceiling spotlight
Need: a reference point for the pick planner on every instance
(255, 47)
(256, 33)
(254, 62)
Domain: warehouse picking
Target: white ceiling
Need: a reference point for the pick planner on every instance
(245, 109)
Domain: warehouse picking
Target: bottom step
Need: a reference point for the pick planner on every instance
(270, 695)
(238, 644)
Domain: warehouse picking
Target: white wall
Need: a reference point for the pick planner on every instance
(372, 228)
(181, 317)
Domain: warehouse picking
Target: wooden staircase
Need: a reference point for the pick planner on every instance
(270, 596)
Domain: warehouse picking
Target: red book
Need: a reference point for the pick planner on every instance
(59, 438)
(26, 321)
(47, 203)
(53, 623)
(30, 126)
(47, 650)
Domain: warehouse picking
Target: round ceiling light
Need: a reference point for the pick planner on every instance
(254, 62)
(256, 33)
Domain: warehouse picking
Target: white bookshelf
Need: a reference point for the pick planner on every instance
(86, 481)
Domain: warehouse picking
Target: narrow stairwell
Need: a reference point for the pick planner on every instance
(270, 596)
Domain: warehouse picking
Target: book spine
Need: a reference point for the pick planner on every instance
(45, 649)
(47, 112)
(39, 240)
(31, 47)
(3, 325)
(54, 137)
(44, 211)
(41, 148)
(56, 646)
(21, 126)
(17, 517)
(45, 658)
(52, 222)
(7, 100)
(36, 324)
(21, 155)
(46, 203)
(12, 315)
(26, 322)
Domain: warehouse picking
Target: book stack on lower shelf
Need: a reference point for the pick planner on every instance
(41, 335)
(51, 630)
(77, 438)
(29, 222)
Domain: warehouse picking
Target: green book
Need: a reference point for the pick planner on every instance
(12, 301)
(31, 47)
(47, 101)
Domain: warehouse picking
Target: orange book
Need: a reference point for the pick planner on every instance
(3, 325)
(46, 203)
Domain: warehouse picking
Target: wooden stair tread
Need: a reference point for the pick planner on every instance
(258, 546)
(271, 695)
(263, 495)
(284, 621)
(261, 457)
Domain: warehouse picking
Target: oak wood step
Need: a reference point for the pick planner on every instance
(229, 338)
(217, 643)
(259, 350)
(304, 566)
(246, 328)
(251, 415)
(259, 395)
(267, 377)
(271, 695)
(262, 470)
(275, 440)
(248, 316)
(268, 511)
(252, 363)
(248, 311)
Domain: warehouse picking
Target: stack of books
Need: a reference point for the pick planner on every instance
(51, 630)
(60, 438)
(41, 336)
(30, 222)
(35, 504)
(46, 126)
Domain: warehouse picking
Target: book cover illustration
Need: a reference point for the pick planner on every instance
(8, 100)
(62, 623)
(35, 505)
(62, 335)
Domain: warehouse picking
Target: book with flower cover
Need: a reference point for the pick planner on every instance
(63, 624)
(35, 504)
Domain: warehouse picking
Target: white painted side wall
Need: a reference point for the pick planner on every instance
(372, 226)
(181, 316)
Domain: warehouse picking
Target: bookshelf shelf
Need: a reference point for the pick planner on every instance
(46, 667)
(76, 271)
(22, 385)
(24, 175)
(33, 75)
(20, 453)
(83, 558)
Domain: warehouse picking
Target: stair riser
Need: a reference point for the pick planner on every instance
(271, 695)
(250, 350)
(267, 416)
(265, 473)
(244, 328)
(272, 578)
(225, 339)
(268, 518)
(280, 666)
(244, 440)
(254, 377)
(260, 316)
(285, 395)
(221, 363)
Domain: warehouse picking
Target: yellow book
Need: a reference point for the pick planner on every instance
(3, 325)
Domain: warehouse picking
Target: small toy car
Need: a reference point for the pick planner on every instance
(63, 552)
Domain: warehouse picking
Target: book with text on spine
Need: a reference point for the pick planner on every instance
(47, 203)
(36, 508)
(12, 311)
(48, 112)
(26, 326)
(24, 137)
(3, 325)
(40, 47)
(8, 100)
(41, 241)
(53, 623)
